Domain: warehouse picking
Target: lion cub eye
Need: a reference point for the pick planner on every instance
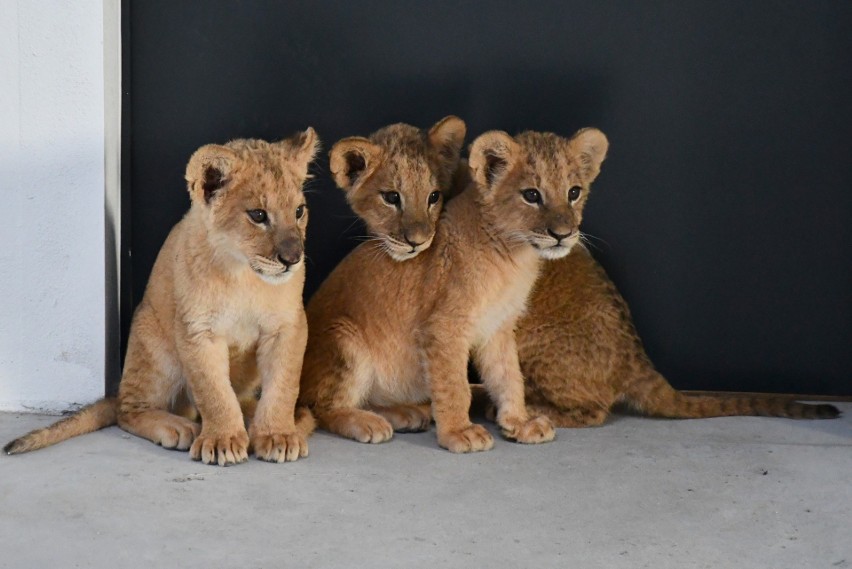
(300, 211)
(258, 215)
(574, 193)
(391, 198)
(531, 195)
(434, 197)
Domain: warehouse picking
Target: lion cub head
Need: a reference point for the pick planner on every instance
(394, 181)
(249, 195)
(535, 185)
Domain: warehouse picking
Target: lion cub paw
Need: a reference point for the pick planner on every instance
(221, 449)
(369, 428)
(406, 418)
(533, 431)
(473, 438)
(176, 432)
(279, 447)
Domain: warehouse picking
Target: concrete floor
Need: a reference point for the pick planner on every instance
(718, 493)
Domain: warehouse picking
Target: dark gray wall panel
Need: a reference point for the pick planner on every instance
(724, 209)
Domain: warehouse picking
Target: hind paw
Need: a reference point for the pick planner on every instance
(358, 424)
(533, 431)
(406, 418)
(176, 433)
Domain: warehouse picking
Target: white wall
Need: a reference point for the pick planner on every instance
(52, 290)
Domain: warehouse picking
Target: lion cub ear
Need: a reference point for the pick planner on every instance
(302, 146)
(208, 172)
(589, 147)
(492, 155)
(446, 137)
(353, 159)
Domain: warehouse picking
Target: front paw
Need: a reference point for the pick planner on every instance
(279, 447)
(532, 431)
(473, 438)
(223, 449)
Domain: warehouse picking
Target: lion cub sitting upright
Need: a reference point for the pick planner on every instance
(385, 336)
(222, 315)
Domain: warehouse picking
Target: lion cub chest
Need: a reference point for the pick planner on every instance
(248, 315)
(240, 329)
(507, 300)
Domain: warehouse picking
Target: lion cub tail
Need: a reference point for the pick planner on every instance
(305, 422)
(654, 396)
(88, 419)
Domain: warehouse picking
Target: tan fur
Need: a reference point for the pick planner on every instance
(221, 316)
(581, 355)
(386, 334)
(403, 159)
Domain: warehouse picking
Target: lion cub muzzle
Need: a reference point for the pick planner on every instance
(290, 251)
(418, 234)
(555, 245)
(285, 261)
(558, 237)
(416, 238)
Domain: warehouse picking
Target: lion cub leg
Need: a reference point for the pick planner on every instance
(149, 384)
(446, 366)
(406, 418)
(273, 432)
(206, 362)
(343, 417)
(573, 417)
(497, 361)
(339, 385)
(569, 405)
(158, 426)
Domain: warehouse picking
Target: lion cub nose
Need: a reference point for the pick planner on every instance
(290, 252)
(560, 236)
(416, 236)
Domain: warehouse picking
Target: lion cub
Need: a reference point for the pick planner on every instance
(395, 179)
(222, 315)
(385, 336)
(580, 354)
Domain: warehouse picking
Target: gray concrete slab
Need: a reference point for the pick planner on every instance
(716, 493)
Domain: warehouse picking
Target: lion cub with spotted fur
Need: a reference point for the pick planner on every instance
(222, 315)
(386, 336)
(581, 354)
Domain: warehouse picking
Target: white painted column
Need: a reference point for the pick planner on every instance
(52, 252)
